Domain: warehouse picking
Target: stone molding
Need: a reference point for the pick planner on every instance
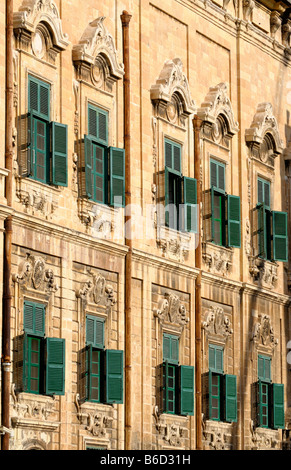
(33, 273)
(217, 435)
(173, 82)
(217, 323)
(96, 44)
(217, 103)
(34, 12)
(171, 311)
(96, 290)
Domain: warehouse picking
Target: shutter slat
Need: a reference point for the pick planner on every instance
(59, 154)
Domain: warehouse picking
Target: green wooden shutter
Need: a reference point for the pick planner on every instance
(20, 372)
(114, 376)
(170, 348)
(173, 156)
(59, 138)
(280, 236)
(39, 98)
(230, 398)
(264, 368)
(262, 244)
(278, 415)
(167, 213)
(95, 331)
(263, 404)
(98, 124)
(186, 379)
(84, 373)
(217, 175)
(34, 318)
(215, 358)
(55, 366)
(88, 149)
(117, 177)
(234, 221)
(214, 396)
(190, 204)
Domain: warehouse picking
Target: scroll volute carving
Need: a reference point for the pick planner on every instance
(33, 273)
(171, 311)
(217, 323)
(263, 333)
(96, 290)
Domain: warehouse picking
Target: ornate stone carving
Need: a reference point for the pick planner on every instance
(286, 31)
(172, 433)
(263, 136)
(264, 439)
(42, 200)
(33, 273)
(96, 56)
(171, 310)
(264, 273)
(217, 112)
(263, 333)
(217, 322)
(171, 93)
(217, 258)
(101, 219)
(96, 422)
(174, 245)
(38, 23)
(217, 435)
(275, 23)
(248, 6)
(96, 290)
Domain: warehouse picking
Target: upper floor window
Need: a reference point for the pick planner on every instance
(180, 191)
(40, 361)
(225, 209)
(46, 157)
(269, 397)
(101, 370)
(104, 166)
(272, 226)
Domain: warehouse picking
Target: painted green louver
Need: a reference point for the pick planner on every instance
(98, 124)
(170, 348)
(280, 236)
(59, 136)
(117, 176)
(95, 331)
(230, 397)
(186, 378)
(34, 318)
(114, 376)
(55, 366)
(234, 221)
(190, 201)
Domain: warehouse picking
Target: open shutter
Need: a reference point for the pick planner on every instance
(186, 379)
(84, 373)
(114, 376)
(234, 221)
(278, 415)
(167, 199)
(55, 366)
(280, 236)
(230, 397)
(88, 153)
(59, 136)
(190, 204)
(26, 144)
(262, 244)
(117, 177)
(20, 359)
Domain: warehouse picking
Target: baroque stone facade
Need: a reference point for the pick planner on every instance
(229, 64)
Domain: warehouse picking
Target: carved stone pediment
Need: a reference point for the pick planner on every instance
(33, 273)
(217, 323)
(171, 311)
(96, 290)
(263, 333)
(263, 136)
(171, 93)
(33, 13)
(217, 112)
(96, 56)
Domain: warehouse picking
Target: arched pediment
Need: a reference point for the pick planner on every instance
(172, 85)
(96, 44)
(217, 106)
(32, 13)
(264, 129)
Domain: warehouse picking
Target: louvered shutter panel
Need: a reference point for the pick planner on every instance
(26, 147)
(211, 358)
(44, 101)
(95, 332)
(261, 216)
(28, 317)
(219, 360)
(234, 221)
(166, 347)
(33, 96)
(34, 318)
(114, 376)
(39, 322)
(186, 378)
(171, 348)
(39, 98)
(88, 149)
(92, 122)
(190, 207)
(167, 213)
(84, 373)
(174, 349)
(278, 415)
(89, 330)
(230, 397)
(280, 236)
(55, 366)
(98, 125)
(212, 213)
(213, 174)
(20, 359)
(168, 154)
(103, 127)
(261, 367)
(117, 177)
(59, 138)
(177, 158)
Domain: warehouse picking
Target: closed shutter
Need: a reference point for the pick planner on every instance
(88, 153)
(173, 156)
(234, 221)
(190, 204)
(26, 144)
(59, 136)
(34, 318)
(39, 98)
(170, 348)
(217, 175)
(55, 366)
(114, 376)
(117, 177)
(280, 236)
(278, 415)
(264, 368)
(215, 358)
(95, 331)
(98, 125)
(230, 397)
(186, 378)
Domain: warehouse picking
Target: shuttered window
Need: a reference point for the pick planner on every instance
(104, 166)
(55, 366)
(95, 331)
(215, 358)
(171, 348)
(46, 152)
(173, 183)
(230, 398)
(186, 387)
(114, 376)
(225, 209)
(190, 205)
(34, 318)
